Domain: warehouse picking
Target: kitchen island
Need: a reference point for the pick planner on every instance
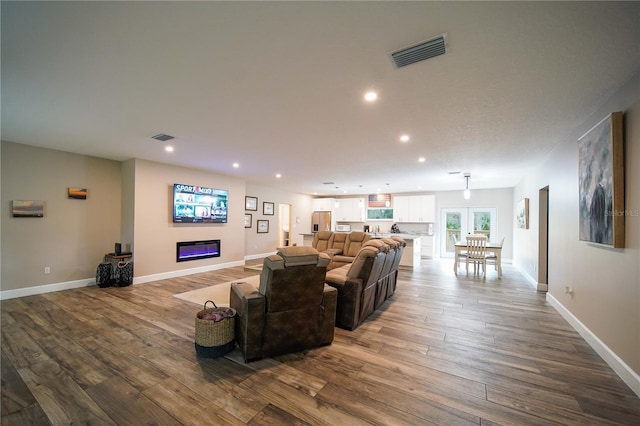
(411, 256)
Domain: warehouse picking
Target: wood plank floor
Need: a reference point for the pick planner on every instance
(444, 350)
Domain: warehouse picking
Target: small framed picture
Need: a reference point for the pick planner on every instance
(77, 193)
(247, 220)
(27, 208)
(263, 226)
(267, 208)
(251, 203)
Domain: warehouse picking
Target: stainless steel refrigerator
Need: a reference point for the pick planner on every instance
(320, 221)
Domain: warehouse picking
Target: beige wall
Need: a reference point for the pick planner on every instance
(155, 234)
(605, 281)
(258, 244)
(73, 235)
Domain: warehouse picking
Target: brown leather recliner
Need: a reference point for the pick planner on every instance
(292, 309)
(387, 270)
(356, 284)
(352, 245)
(321, 240)
(396, 265)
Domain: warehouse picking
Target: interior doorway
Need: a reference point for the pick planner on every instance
(284, 225)
(543, 239)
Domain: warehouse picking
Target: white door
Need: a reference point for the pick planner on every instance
(457, 222)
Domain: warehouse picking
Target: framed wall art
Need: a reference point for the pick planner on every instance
(263, 226)
(77, 193)
(601, 183)
(247, 220)
(268, 208)
(251, 203)
(522, 213)
(27, 208)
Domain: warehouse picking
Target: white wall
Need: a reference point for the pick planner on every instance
(605, 281)
(501, 198)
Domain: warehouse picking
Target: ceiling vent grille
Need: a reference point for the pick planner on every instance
(420, 52)
(162, 137)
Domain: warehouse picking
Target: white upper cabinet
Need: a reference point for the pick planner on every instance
(414, 208)
(323, 204)
(349, 209)
(401, 208)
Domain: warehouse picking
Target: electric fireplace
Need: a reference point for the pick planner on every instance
(193, 250)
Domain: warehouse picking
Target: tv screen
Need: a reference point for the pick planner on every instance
(199, 204)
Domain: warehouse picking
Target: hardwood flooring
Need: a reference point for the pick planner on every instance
(444, 350)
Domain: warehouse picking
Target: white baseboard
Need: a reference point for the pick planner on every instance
(528, 277)
(630, 377)
(259, 256)
(183, 272)
(48, 288)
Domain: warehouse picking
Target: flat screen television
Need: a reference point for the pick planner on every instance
(199, 204)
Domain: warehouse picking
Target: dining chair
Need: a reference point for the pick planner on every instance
(476, 254)
(462, 254)
(492, 257)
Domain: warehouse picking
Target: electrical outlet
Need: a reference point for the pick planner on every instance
(47, 270)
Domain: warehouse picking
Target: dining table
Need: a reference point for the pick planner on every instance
(492, 247)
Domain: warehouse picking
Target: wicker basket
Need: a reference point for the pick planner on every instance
(214, 338)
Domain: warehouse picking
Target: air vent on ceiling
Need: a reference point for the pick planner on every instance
(420, 52)
(162, 137)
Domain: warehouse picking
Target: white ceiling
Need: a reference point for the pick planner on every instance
(278, 86)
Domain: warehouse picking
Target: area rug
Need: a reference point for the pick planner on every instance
(219, 293)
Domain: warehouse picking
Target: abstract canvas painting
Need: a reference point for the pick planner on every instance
(522, 213)
(601, 183)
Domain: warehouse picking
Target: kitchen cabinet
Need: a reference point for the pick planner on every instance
(422, 208)
(323, 204)
(349, 210)
(414, 208)
(401, 208)
(426, 247)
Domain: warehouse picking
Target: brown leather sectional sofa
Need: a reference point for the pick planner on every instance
(299, 302)
(341, 247)
(365, 283)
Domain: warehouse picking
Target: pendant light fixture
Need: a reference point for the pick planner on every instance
(467, 192)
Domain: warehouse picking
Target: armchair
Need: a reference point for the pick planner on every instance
(292, 309)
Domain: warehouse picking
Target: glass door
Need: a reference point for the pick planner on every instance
(458, 222)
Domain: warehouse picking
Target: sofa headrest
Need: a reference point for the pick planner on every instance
(300, 255)
(379, 244)
(323, 235)
(355, 270)
(358, 236)
(401, 242)
(393, 245)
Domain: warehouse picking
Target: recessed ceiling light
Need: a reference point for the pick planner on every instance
(278, 175)
(168, 148)
(421, 159)
(404, 138)
(236, 165)
(370, 96)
